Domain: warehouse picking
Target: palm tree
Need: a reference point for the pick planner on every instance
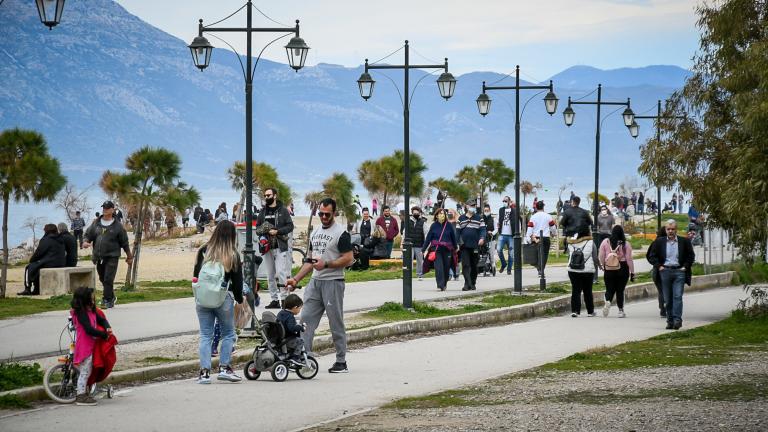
(339, 187)
(151, 179)
(27, 172)
(451, 189)
(491, 175)
(264, 176)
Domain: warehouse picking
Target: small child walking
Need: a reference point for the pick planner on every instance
(86, 321)
(287, 317)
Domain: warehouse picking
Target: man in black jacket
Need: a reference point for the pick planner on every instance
(278, 260)
(672, 257)
(365, 226)
(108, 237)
(70, 245)
(506, 233)
(575, 219)
(49, 254)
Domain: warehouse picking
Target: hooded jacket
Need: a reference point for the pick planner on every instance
(107, 240)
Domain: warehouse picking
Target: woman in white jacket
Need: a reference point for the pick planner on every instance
(582, 262)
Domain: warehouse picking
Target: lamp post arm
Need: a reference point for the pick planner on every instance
(626, 104)
(294, 30)
(441, 66)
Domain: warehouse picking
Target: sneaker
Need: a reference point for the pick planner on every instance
(593, 314)
(669, 326)
(274, 304)
(227, 374)
(421, 278)
(677, 325)
(663, 313)
(502, 269)
(622, 314)
(338, 368)
(204, 377)
(85, 400)
(574, 315)
(606, 308)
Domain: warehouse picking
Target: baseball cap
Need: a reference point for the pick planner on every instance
(108, 204)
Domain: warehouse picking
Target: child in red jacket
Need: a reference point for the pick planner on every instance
(87, 321)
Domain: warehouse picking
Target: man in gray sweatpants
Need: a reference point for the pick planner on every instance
(330, 253)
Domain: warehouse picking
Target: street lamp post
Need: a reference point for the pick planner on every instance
(484, 106)
(569, 115)
(201, 51)
(49, 12)
(635, 131)
(446, 84)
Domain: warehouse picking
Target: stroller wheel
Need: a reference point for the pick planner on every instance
(110, 391)
(279, 371)
(493, 270)
(310, 370)
(250, 371)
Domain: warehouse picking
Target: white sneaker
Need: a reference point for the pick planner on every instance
(622, 314)
(606, 308)
(574, 315)
(227, 374)
(593, 314)
(420, 278)
(204, 377)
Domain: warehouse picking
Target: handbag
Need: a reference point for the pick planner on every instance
(530, 254)
(432, 255)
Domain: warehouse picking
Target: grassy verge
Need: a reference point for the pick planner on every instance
(13, 402)
(391, 312)
(17, 375)
(19, 306)
(712, 344)
(446, 399)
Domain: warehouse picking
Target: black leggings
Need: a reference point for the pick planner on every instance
(581, 283)
(615, 282)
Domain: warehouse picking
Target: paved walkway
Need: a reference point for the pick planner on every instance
(35, 335)
(377, 375)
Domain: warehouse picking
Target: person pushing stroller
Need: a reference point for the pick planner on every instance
(287, 317)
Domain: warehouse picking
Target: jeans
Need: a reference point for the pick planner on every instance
(672, 284)
(390, 244)
(78, 237)
(207, 317)
(419, 256)
(506, 241)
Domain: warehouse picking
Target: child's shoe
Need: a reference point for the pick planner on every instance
(85, 400)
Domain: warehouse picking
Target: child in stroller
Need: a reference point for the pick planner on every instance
(282, 349)
(484, 262)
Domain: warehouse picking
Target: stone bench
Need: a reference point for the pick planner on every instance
(62, 280)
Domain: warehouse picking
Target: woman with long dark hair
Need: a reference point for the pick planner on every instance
(616, 260)
(219, 255)
(441, 239)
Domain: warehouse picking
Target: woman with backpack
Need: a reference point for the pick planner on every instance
(218, 279)
(582, 255)
(616, 260)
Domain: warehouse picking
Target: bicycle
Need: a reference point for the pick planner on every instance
(60, 380)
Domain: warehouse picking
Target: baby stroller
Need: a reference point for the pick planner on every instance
(272, 354)
(694, 234)
(484, 263)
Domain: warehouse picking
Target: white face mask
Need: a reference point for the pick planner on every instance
(487, 213)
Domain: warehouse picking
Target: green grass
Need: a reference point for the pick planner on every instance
(20, 306)
(167, 284)
(17, 375)
(11, 401)
(159, 359)
(391, 312)
(712, 344)
(445, 399)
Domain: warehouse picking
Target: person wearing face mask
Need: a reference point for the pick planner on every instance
(417, 231)
(472, 232)
(490, 234)
(605, 223)
(277, 260)
(506, 233)
(390, 226)
(441, 238)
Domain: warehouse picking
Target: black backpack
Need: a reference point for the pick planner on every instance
(577, 261)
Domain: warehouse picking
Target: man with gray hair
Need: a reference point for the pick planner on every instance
(672, 257)
(70, 245)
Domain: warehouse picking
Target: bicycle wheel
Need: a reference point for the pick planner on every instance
(300, 252)
(60, 383)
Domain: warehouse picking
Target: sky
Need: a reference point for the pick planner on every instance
(544, 37)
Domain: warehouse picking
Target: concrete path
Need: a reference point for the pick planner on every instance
(377, 374)
(35, 335)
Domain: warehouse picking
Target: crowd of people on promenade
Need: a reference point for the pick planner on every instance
(449, 241)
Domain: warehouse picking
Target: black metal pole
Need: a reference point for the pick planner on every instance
(248, 252)
(595, 206)
(406, 244)
(542, 251)
(516, 240)
(658, 188)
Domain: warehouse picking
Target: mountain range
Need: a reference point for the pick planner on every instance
(104, 83)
